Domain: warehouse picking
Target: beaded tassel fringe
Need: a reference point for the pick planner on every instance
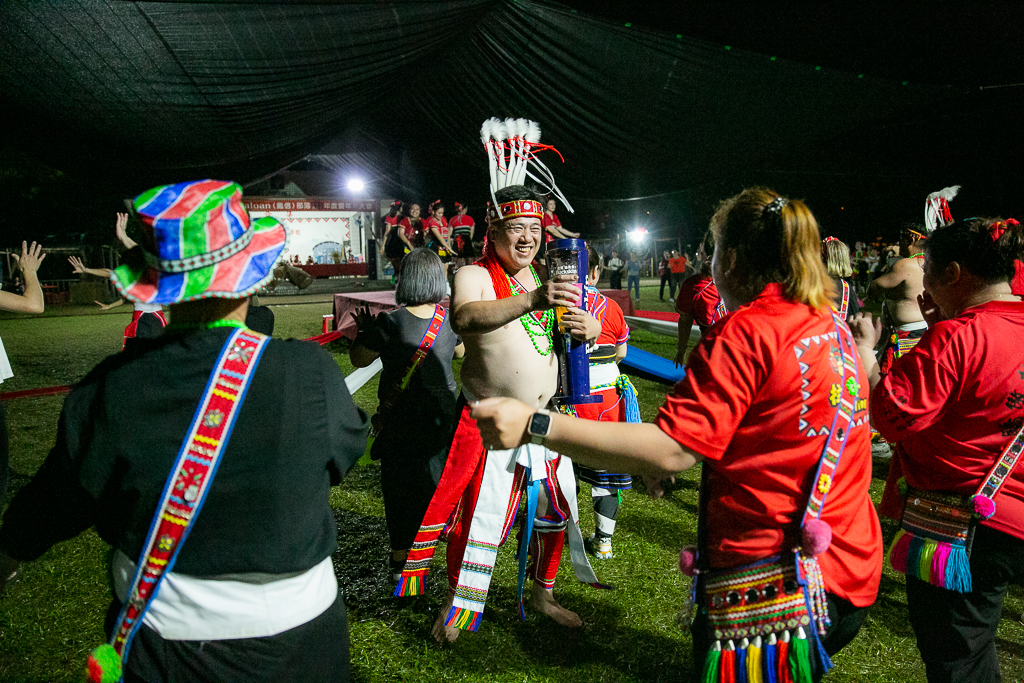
(776, 660)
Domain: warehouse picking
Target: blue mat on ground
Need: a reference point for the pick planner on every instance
(651, 366)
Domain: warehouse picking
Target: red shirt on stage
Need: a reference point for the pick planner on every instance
(548, 220)
(460, 224)
(431, 222)
(413, 233)
(698, 296)
(953, 404)
(755, 404)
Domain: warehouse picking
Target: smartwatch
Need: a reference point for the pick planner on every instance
(539, 426)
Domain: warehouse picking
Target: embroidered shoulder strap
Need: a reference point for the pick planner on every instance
(846, 300)
(983, 502)
(187, 485)
(845, 403)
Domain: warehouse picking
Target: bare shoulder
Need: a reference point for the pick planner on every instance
(472, 283)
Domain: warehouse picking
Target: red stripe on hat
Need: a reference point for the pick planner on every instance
(228, 273)
(191, 198)
(145, 288)
(218, 232)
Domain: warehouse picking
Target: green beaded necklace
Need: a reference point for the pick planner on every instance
(545, 326)
(174, 327)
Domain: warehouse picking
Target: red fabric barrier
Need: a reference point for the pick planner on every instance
(31, 393)
(667, 316)
(332, 269)
(621, 297)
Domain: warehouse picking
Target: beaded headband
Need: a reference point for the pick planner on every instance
(515, 209)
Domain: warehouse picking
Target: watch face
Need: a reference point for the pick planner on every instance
(540, 423)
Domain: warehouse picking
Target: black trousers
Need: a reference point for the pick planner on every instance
(666, 279)
(846, 622)
(313, 652)
(956, 632)
(5, 472)
(616, 280)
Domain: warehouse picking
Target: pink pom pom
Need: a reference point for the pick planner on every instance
(983, 506)
(816, 536)
(688, 560)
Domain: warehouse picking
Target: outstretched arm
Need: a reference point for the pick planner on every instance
(79, 267)
(107, 307)
(32, 300)
(614, 446)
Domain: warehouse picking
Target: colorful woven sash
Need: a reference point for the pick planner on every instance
(385, 406)
(937, 529)
(845, 306)
(763, 617)
(184, 493)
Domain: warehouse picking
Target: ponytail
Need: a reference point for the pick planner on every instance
(774, 239)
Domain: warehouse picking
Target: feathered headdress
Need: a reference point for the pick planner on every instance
(936, 208)
(512, 147)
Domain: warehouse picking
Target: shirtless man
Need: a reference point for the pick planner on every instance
(503, 311)
(903, 287)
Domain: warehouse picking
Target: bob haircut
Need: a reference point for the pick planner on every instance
(422, 280)
(774, 239)
(986, 247)
(836, 256)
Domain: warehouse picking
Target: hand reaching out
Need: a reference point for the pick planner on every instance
(365, 321)
(31, 257)
(76, 264)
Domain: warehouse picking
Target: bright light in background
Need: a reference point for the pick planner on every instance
(356, 185)
(637, 235)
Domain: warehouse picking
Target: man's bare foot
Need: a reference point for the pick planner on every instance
(445, 634)
(543, 600)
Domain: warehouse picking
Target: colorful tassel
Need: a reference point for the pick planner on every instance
(729, 663)
(628, 393)
(771, 674)
(409, 586)
(741, 662)
(898, 551)
(924, 563)
(958, 570)
(800, 658)
(782, 660)
(712, 663)
(914, 555)
(103, 665)
(466, 619)
(754, 662)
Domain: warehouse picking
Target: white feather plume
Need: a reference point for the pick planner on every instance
(946, 193)
(532, 132)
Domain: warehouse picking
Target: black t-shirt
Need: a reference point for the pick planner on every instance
(430, 398)
(297, 434)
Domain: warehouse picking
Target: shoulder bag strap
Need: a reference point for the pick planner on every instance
(983, 502)
(433, 329)
(189, 480)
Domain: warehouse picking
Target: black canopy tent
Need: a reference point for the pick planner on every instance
(150, 92)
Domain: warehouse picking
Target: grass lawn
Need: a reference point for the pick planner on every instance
(52, 617)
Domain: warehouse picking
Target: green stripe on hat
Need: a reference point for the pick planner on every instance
(196, 281)
(196, 241)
